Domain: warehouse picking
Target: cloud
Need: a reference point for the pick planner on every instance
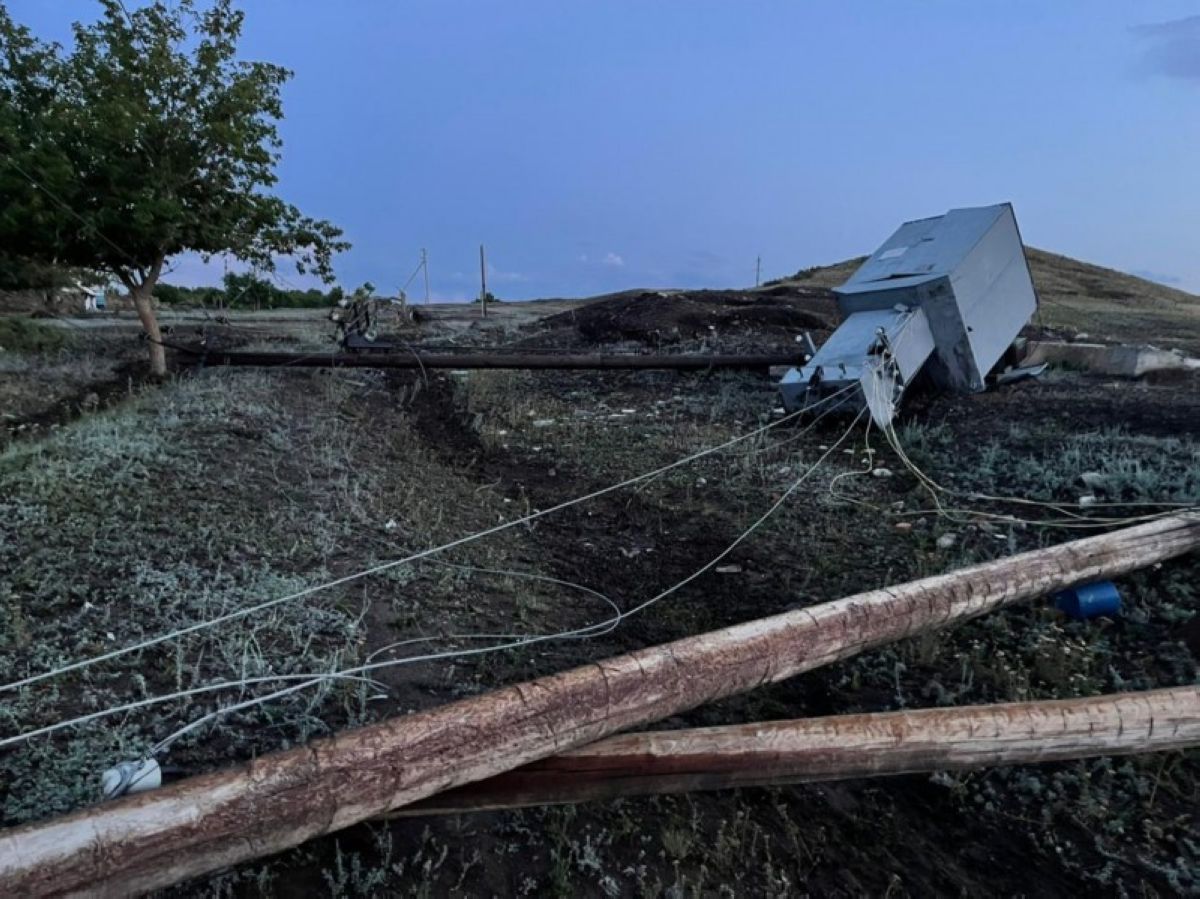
(1157, 277)
(610, 259)
(1171, 48)
(499, 276)
(494, 276)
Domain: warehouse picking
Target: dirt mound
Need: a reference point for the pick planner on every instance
(660, 318)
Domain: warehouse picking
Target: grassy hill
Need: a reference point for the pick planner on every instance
(1079, 297)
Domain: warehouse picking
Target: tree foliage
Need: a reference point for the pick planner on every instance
(148, 138)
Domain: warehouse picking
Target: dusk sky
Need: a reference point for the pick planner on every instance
(595, 146)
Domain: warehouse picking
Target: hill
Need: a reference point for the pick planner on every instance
(1081, 298)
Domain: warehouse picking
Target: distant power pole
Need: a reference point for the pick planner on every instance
(757, 271)
(482, 283)
(425, 269)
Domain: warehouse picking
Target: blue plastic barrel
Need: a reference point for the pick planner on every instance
(1089, 600)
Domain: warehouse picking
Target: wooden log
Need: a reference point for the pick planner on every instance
(839, 747)
(496, 360)
(280, 800)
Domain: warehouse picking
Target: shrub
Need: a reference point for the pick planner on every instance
(23, 335)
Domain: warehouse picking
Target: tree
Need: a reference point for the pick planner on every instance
(147, 139)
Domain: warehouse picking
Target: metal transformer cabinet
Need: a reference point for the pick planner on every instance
(949, 293)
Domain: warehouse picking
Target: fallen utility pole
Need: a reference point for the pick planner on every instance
(280, 800)
(839, 747)
(556, 361)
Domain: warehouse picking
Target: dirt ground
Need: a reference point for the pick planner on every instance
(731, 319)
(164, 505)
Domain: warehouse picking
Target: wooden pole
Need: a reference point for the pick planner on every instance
(280, 800)
(425, 271)
(493, 359)
(839, 747)
(482, 283)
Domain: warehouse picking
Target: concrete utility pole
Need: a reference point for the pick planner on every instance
(425, 270)
(757, 271)
(151, 840)
(838, 747)
(482, 283)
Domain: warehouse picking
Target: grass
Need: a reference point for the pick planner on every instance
(220, 490)
(24, 335)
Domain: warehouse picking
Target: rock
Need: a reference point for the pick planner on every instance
(903, 526)
(946, 541)
(1088, 500)
(1094, 480)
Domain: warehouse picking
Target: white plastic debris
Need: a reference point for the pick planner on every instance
(881, 472)
(130, 777)
(1088, 500)
(946, 541)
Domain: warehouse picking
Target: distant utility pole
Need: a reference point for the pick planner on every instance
(757, 271)
(425, 269)
(482, 283)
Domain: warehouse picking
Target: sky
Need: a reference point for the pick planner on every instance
(598, 145)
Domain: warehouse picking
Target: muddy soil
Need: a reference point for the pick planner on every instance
(658, 319)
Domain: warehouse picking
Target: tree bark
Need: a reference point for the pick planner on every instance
(140, 285)
(143, 302)
(280, 800)
(839, 747)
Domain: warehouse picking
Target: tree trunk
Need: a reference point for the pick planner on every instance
(143, 302)
(279, 800)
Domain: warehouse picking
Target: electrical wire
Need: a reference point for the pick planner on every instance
(394, 563)
(577, 633)
(1072, 520)
(511, 641)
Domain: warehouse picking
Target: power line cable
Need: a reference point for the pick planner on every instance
(586, 632)
(386, 566)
